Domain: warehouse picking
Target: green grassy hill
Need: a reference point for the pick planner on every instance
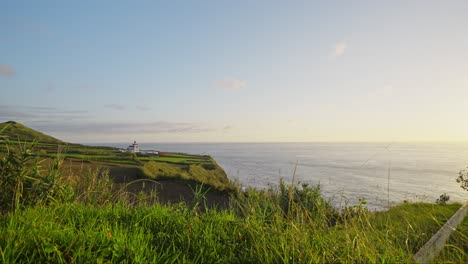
(124, 165)
(17, 132)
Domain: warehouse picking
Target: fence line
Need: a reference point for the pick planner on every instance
(433, 247)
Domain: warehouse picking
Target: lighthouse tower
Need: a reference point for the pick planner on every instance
(134, 148)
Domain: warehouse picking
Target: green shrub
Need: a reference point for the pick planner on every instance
(24, 181)
(94, 187)
(443, 199)
(463, 179)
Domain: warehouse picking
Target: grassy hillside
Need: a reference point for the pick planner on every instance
(122, 165)
(18, 132)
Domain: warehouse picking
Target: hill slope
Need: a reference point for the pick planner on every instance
(16, 131)
(122, 164)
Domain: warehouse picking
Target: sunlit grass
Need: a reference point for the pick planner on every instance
(74, 232)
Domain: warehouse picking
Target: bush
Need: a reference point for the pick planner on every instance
(23, 182)
(463, 179)
(303, 196)
(443, 199)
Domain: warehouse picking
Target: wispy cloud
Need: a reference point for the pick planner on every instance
(339, 49)
(230, 84)
(6, 70)
(37, 113)
(115, 106)
(142, 107)
(75, 123)
(29, 108)
(227, 128)
(133, 128)
(13, 115)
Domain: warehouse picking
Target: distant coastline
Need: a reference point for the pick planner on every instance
(419, 171)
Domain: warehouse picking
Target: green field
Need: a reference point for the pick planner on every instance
(202, 169)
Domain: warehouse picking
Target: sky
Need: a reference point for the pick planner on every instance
(236, 71)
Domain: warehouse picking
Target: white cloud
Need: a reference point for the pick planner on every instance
(115, 106)
(230, 84)
(37, 113)
(129, 128)
(226, 129)
(339, 49)
(142, 107)
(6, 70)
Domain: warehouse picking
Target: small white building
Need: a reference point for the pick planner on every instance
(151, 152)
(134, 148)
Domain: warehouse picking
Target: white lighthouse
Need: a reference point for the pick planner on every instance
(134, 148)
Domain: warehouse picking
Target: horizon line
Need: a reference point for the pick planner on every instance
(282, 142)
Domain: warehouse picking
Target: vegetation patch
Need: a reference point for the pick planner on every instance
(199, 168)
(212, 176)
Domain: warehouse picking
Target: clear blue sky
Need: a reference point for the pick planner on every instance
(236, 71)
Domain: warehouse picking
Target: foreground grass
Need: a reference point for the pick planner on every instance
(456, 249)
(76, 233)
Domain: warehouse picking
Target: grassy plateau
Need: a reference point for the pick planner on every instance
(72, 209)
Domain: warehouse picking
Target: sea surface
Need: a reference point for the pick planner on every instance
(382, 173)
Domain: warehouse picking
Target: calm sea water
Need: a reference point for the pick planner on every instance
(345, 171)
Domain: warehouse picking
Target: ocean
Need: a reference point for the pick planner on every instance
(382, 173)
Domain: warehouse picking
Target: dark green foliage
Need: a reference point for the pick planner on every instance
(23, 182)
(463, 179)
(301, 196)
(443, 199)
(208, 166)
